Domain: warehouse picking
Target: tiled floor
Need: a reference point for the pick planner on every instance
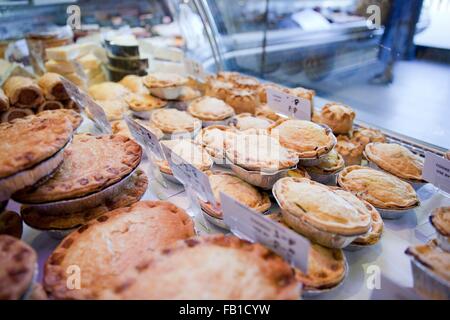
(417, 104)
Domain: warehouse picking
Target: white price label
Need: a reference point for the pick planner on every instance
(190, 176)
(85, 101)
(253, 226)
(436, 170)
(289, 105)
(194, 69)
(145, 137)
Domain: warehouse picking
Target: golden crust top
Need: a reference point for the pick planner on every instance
(332, 162)
(120, 127)
(245, 121)
(144, 102)
(338, 117)
(164, 80)
(213, 138)
(441, 220)
(172, 120)
(210, 109)
(108, 91)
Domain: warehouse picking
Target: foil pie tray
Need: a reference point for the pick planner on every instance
(428, 284)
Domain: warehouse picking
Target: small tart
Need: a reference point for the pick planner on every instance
(210, 267)
(350, 150)
(91, 163)
(172, 120)
(134, 84)
(237, 189)
(218, 89)
(108, 91)
(164, 80)
(123, 238)
(258, 152)
(320, 207)
(210, 109)
(376, 225)
(144, 102)
(121, 128)
(440, 219)
(331, 163)
(26, 142)
(189, 151)
(17, 267)
(395, 159)
(338, 117)
(245, 121)
(380, 189)
(308, 139)
(213, 138)
(364, 136)
(74, 117)
(243, 100)
(114, 109)
(246, 83)
(433, 258)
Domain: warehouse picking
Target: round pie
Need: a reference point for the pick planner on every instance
(91, 163)
(218, 89)
(245, 121)
(364, 136)
(213, 138)
(173, 121)
(246, 83)
(212, 267)
(338, 117)
(210, 109)
(108, 91)
(331, 163)
(74, 117)
(114, 109)
(144, 102)
(258, 152)
(350, 150)
(395, 159)
(304, 200)
(164, 80)
(18, 262)
(242, 101)
(237, 189)
(440, 219)
(121, 128)
(122, 238)
(134, 84)
(380, 189)
(308, 139)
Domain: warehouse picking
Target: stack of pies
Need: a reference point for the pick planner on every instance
(245, 121)
(235, 269)
(213, 138)
(338, 117)
(319, 213)
(111, 245)
(31, 149)
(211, 111)
(96, 170)
(440, 219)
(167, 86)
(390, 195)
(327, 169)
(121, 128)
(172, 121)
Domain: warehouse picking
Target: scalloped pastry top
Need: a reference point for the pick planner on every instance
(380, 189)
(245, 121)
(164, 80)
(395, 159)
(210, 109)
(331, 163)
(144, 102)
(320, 206)
(172, 120)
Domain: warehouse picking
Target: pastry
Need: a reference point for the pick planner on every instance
(298, 172)
(15, 113)
(189, 151)
(174, 121)
(242, 101)
(74, 117)
(262, 90)
(380, 189)
(166, 86)
(308, 139)
(212, 138)
(338, 117)
(11, 224)
(189, 94)
(395, 159)
(180, 272)
(18, 263)
(121, 128)
(4, 101)
(350, 150)
(30, 149)
(263, 110)
(306, 202)
(210, 109)
(364, 136)
(134, 84)
(52, 87)
(218, 89)
(54, 219)
(440, 219)
(258, 152)
(114, 109)
(142, 104)
(245, 121)
(91, 163)
(123, 238)
(228, 75)
(246, 83)
(108, 91)
(23, 92)
(237, 189)
(331, 163)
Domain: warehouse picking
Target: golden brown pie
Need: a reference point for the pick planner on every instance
(218, 89)
(108, 91)
(441, 220)
(114, 109)
(18, 262)
(245, 121)
(121, 128)
(74, 117)
(350, 150)
(235, 269)
(237, 189)
(144, 102)
(331, 163)
(395, 159)
(123, 238)
(243, 101)
(213, 138)
(298, 172)
(380, 189)
(173, 121)
(308, 139)
(11, 224)
(210, 109)
(91, 163)
(246, 83)
(364, 136)
(338, 117)
(134, 84)
(166, 86)
(304, 200)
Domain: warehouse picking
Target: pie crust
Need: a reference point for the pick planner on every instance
(380, 189)
(164, 80)
(121, 128)
(144, 102)
(235, 270)
(114, 109)
(18, 263)
(108, 91)
(210, 109)
(246, 83)
(331, 163)
(134, 84)
(11, 224)
(213, 138)
(237, 189)
(364, 136)
(298, 172)
(74, 117)
(91, 163)
(218, 89)
(243, 101)
(308, 139)
(123, 238)
(172, 121)
(338, 117)
(319, 206)
(351, 151)
(440, 219)
(395, 159)
(245, 121)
